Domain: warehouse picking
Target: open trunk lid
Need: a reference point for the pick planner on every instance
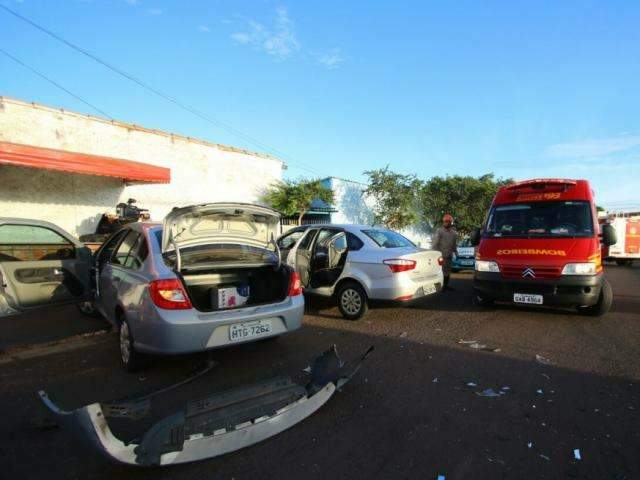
(219, 223)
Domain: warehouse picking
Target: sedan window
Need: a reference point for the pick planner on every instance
(33, 242)
(388, 239)
(124, 248)
(289, 240)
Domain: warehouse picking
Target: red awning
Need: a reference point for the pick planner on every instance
(72, 162)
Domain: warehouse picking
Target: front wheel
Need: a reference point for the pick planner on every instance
(352, 301)
(130, 358)
(604, 302)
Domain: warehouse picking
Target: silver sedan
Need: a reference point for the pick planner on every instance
(206, 278)
(356, 263)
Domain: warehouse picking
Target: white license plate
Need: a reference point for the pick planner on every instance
(466, 263)
(527, 298)
(246, 331)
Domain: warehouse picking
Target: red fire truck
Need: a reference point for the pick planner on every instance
(627, 248)
(541, 246)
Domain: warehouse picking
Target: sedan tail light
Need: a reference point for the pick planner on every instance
(400, 264)
(169, 294)
(295, 286)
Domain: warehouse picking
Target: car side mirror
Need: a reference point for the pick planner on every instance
(609, 236)
(475, 236)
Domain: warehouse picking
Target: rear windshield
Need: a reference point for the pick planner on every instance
(388, 239)
(541, 220)
(219, 254)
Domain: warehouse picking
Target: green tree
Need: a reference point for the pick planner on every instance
(395, 197)
(466, 198)
(294, 197)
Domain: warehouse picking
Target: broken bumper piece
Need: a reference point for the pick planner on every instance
(214, 425)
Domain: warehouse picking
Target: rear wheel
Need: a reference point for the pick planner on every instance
(352, 301)
(130, 358)
(604, 302)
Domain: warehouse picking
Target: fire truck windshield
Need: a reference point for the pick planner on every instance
(541, 220)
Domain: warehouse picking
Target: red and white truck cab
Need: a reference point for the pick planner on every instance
(541, 245)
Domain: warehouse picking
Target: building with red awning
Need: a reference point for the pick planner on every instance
(70, 168)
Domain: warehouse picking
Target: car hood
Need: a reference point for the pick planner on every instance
(215, 223)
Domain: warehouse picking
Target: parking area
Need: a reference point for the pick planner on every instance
(419, 407)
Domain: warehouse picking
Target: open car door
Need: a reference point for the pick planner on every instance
(328, 258)
(40, 265)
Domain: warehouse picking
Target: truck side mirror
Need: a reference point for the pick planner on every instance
(474, 237)
(608, 235)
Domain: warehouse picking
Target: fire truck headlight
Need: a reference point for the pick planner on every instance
(487, 266)
(579, 269)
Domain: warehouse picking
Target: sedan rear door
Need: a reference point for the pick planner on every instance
(40, 265)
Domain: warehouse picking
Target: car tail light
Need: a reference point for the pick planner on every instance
(295, 286)
(400, 264)
(440, 261)
(169, 294)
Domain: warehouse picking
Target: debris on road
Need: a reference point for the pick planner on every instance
(403, 335)
(546, 376)
(478, 346)
(530, 444)
(545, 457)
(576, 454)
(472, 384)
(222, 422)
(490, 392)
(307, 369)
(542, 360)
(539, 391)
(435, 380)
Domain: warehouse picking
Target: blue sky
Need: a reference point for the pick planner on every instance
(521, 89)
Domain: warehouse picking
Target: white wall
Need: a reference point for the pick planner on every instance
(200, 171)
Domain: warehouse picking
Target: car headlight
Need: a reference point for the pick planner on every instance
(579, 269)
(487, 266)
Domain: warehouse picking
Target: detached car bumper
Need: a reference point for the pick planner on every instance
(217, 424)
(186, 331)
(566, 291)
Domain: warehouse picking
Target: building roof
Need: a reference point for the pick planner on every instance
(131, 126)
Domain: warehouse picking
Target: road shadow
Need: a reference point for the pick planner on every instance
(47, 325)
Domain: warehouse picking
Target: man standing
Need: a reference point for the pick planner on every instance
(445, 240)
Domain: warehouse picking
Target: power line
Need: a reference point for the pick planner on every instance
(56, 84)
(161, 94)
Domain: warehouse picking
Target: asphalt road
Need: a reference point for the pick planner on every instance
(409, 412)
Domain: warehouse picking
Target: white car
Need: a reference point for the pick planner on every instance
(355, 264)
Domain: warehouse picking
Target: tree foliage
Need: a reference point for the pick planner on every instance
(466, 198)
(294, 197)
(395, 198)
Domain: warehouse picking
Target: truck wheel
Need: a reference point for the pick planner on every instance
(352, 301)
(604, 302)
(130, 358)
(482, 302)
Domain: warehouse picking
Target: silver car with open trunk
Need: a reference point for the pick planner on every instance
(207, 277)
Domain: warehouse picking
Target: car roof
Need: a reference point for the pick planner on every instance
(344, 226)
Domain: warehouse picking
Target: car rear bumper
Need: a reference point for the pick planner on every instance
(405, 287)
(569, 291)
(185, 331)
